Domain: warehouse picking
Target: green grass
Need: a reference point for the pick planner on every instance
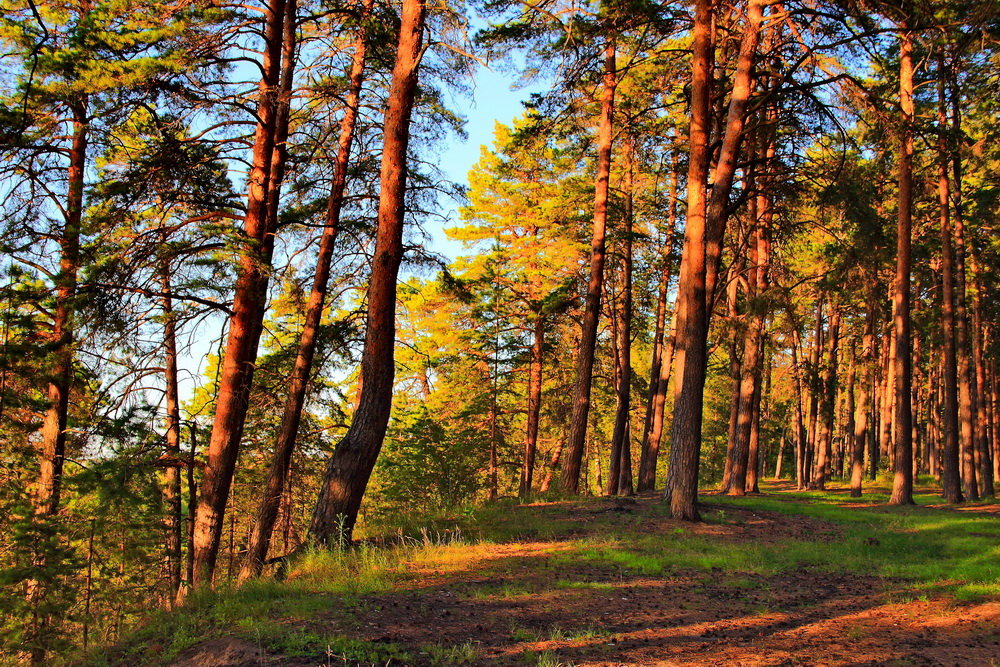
(939, 550)
(917, 551)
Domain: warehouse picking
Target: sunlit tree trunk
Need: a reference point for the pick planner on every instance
(828, 390)
(801, 477)
(813, 387)
(902, 485)
(588, 336)
(763, 243)
(534, 405)
(706, 223)
(861, 414)
(663, 356)
(245, 323)
(966, 374)
(173, 521)
(735, 368)
(950, 477)
(351, 464)
(267, 513)
(620, 472)
(692, 317)
(886, 402)
(52, 435)
(983, 453)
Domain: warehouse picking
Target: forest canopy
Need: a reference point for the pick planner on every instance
(729, 239)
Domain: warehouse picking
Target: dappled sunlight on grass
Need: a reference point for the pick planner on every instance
(611, 579)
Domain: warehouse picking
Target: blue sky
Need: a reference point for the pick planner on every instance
(493, 100)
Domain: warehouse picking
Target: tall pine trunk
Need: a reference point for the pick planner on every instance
(534, 405)
(983, 454)
(692, 318)
(963, 349)
(52, 435)
(827, 402)
(351, 464)
(577, 436)
(706, 226)
(620, 480)
(245, 323)
(174, 521)
(950, 470)
(267, 513)
(765, 211)
(862, 410)
(663, 353)
(902, 484)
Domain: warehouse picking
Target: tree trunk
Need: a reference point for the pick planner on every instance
(983, 454)
(173, 523)
(902, 484)
(861, 413)
(950, 471)
(828, 390)
(588, 339)
(704, 231)
(267, 513)
(717, 213)
(663, 352)
(735, 369)
(692, 318)
(799, 405)
(351, 464)
(966, 375)
(885, 407)
(759, 314)
(52, 435)
(813, 387)
(534, 406)
(245, 323)
(621, 483)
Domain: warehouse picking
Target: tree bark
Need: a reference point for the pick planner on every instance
(983, 454)
(621, 482)
(52, 435)
(735, 367)
(966, 375)
(534, 406)
(765, 212)
(267, 513)
(245, 323)
(828, 390)
(692, 318)
(351, 464)
(705, 228)
(173, 523)
(577, 436)
(663, 353)
(814, 388)
(950, 472)
(902, 484)
(861, 412)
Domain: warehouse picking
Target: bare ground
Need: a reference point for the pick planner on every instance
(506, 604)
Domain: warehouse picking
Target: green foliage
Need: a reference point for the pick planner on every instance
(427, 463)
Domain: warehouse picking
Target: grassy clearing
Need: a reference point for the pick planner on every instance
(919, 551)
(936, 550)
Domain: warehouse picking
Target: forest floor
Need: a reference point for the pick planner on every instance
(780, 578)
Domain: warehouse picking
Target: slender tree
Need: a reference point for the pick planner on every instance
(267, 514)
(350, 466)
(902, 484)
